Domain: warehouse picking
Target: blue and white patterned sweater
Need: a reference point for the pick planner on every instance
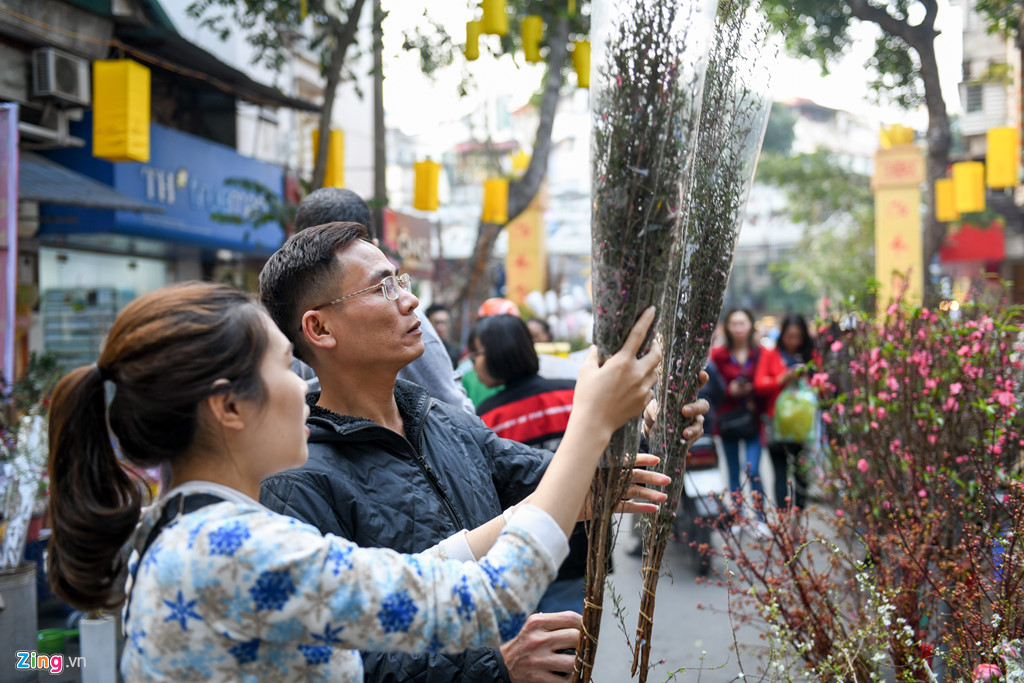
(235, 592)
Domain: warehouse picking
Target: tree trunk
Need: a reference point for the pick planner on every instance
(473, 289)
(380, 190)
(937, 161)
(921, 38)
(344, 35)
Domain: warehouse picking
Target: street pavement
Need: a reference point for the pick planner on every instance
(692, 631)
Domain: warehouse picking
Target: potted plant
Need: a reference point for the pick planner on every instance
(23, 454)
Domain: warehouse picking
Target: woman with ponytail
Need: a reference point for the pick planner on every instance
(219, 588)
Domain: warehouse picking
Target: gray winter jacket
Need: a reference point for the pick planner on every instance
(379, 489)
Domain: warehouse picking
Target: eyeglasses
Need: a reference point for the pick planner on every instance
(392, 286)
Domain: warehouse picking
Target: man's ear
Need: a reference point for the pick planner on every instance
(225, 409)
(317, 331)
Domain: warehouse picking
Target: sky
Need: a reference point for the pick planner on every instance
(434, 103)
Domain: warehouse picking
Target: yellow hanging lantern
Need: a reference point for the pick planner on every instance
(896, 135)
(530, 30)
(1002, 159)
(969, 186)
(120, 117)
(427, 174)
(581, 63)
(520, 161)
(496, 201)
(335, 174)
(945, 203)
(473, 29)
(495, 21)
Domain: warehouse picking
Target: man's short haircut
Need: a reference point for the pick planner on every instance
(434, 308)
(508, 348)
(331, 205)
(302, 274)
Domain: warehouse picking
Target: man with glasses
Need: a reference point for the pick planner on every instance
(432, 370)
(389, 466)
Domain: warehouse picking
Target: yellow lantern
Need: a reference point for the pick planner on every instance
(896, 135)
(1002, 158)
(945, 204)
(530, 29)
(969, 186)
(425, 189)
(581, 63)
(495, 21)
(496, 201)
(473, 29)
(520, 161)
(335, 174)
(120, 117)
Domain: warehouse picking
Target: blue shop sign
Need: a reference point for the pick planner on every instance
(188, 178)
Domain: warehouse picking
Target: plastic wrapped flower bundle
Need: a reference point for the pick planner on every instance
(649, 58)
(732, 122)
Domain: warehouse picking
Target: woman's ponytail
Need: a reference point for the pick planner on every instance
(164, 353)
(94, 502)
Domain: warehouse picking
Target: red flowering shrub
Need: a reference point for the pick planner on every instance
(924, 547)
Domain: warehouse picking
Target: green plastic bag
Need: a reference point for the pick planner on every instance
(795, 409)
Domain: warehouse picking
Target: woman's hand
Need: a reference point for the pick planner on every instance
(608, 395)
(739, 387)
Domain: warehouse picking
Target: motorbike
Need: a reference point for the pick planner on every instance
(702, 504)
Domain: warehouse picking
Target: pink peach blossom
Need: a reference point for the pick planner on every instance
(955, 388)
(983, 673)
(862, 465)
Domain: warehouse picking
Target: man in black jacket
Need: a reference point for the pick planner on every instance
(388, 465)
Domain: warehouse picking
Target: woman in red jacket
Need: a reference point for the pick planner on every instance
(775, 370)
(736, 362)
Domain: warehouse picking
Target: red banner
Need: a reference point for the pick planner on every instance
(974, 243)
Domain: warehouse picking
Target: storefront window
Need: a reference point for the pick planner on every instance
(81, 295)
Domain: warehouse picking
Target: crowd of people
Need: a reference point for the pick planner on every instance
(338, 500)
(755, 375)
(315, 503)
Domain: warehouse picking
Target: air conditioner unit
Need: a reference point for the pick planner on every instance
(60, 76)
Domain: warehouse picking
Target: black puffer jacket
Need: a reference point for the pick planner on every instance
(379, 489)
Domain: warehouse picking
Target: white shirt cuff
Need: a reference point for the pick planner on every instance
(455, 547)
(544, 528)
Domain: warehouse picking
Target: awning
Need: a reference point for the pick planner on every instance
(47, 182)
(163, 49)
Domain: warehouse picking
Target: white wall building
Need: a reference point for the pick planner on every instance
(284, 136)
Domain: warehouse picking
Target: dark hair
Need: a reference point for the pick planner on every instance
(730, 343)
(302, 273)
(164, 354)
(544, 325)
(435, 308)
(333, 205)
(806, 351)
(508, 348)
